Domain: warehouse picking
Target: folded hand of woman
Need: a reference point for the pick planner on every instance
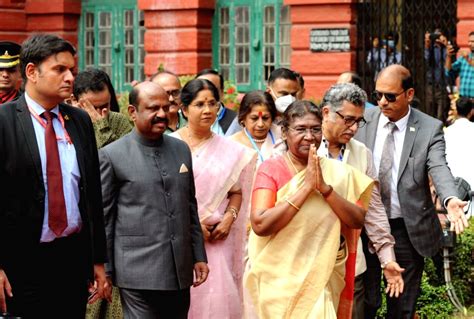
(222, 229)
(314, 175)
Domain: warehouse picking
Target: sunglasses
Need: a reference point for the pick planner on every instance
(390, 97)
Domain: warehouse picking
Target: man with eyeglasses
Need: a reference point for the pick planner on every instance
(171, 84)
(343, 114)
(407, 145)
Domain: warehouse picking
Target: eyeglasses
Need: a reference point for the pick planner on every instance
(390, 97)
(201, 105)
(174, 93)
(349, 121)
(300, 130)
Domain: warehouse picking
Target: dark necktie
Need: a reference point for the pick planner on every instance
(385, 169)
(56, 206)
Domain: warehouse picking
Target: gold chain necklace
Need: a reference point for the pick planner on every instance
(190, 139)
(291, 162)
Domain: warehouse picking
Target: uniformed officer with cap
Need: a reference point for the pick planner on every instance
(9, 70)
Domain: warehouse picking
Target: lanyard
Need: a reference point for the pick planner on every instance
(43, 124)
(222, 113)
(254, 145)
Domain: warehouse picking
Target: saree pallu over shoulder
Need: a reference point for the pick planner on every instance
(299, 271)
(217, 166)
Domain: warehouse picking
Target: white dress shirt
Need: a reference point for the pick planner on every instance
(399, 138)
(459, 149)
(69, 169)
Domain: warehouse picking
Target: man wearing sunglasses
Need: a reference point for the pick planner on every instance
(343, 114)
(407, 145)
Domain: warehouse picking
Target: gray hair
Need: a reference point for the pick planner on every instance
(339, 93)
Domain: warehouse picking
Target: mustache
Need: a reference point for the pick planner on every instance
(158, 119)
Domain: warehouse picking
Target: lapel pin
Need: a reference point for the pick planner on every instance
(66, 117)
(412, 129)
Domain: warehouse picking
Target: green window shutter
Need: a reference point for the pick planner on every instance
(111, 38)
(250, 39)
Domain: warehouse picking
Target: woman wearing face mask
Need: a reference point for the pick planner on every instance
(219, 165)
(256, 115)
(303, 208)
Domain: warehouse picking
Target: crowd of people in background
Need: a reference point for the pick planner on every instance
(187, 209)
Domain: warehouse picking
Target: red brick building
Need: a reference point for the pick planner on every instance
(130, 38)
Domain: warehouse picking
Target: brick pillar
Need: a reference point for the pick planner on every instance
(12, 20)
(60, 17)
(178, 35)
(466, 22)
(320, 69)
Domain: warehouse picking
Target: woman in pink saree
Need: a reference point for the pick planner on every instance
(219, 165)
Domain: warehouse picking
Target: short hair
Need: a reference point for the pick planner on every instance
(464, 105)
(300, 79)
(407, 81)
(155, 75)
(282, 73)
(254, 98)
(393, 35)
(355, 78)
(39, 47)
(299, 109)
(213, 72)
(192, 89)
(94, 80)
(133, 97)
(338, 93)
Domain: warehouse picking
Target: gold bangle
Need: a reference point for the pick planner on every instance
(234, 211)
(291, 204)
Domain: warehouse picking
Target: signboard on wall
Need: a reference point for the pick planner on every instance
(325, 40)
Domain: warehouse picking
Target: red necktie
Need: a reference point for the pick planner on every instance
(56, 206)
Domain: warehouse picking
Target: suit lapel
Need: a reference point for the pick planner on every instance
(410, 134)
(371, 130)
(72, 129)
(26, 124)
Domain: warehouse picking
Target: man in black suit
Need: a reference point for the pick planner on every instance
(52, 237)
(407, 145)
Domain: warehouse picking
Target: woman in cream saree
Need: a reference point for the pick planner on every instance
(303, 210)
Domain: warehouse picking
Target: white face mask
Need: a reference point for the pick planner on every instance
(283, 102)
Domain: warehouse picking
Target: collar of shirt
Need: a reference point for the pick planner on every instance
(37, 107)
(328, 154)
(401, 124)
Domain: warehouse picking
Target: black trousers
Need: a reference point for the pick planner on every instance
(408, 258)
(51, 282)
(155, 304)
